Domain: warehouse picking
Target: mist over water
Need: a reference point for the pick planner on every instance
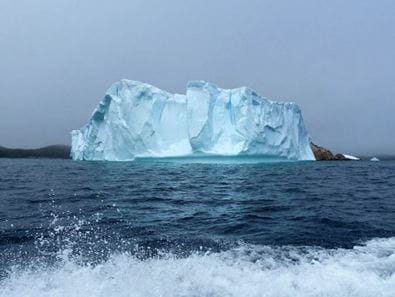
(336, 59)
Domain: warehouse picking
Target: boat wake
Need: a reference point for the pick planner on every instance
(246, 270)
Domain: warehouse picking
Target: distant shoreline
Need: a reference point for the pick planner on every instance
(47, 152)
(63, 152)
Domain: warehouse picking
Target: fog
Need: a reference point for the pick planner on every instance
(336, 59)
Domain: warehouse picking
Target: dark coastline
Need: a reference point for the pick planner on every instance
(48, 152)
(63, 152)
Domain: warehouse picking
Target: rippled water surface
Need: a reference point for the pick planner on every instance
(192, 229)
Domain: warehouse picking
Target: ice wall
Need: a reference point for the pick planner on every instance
(135, 119)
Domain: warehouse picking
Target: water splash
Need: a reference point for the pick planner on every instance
(247, 270)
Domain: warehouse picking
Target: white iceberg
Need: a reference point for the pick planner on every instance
(136, 120)
(350, 157)
(375, 159)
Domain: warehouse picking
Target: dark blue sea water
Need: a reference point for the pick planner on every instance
(197, 229)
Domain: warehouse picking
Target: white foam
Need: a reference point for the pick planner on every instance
(368, 270)
(350, 157)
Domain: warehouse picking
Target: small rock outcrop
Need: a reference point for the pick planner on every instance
(323, 154)
(340, 157)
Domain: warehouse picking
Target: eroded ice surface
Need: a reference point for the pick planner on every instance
(135, 119)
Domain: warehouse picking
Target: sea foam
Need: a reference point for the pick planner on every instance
(248, 270)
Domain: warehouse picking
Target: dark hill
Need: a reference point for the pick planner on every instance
(50, 152)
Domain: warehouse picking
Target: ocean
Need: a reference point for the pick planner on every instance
(153, 228)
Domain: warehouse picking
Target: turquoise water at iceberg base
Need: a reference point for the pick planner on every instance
(175, 228)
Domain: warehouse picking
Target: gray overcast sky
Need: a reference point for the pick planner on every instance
(336, 59)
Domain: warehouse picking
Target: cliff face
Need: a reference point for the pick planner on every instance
(323, 154)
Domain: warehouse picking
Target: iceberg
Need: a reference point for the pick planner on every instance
(137, 120)
(351, 157)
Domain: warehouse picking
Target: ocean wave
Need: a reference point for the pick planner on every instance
(247, 270)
